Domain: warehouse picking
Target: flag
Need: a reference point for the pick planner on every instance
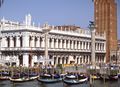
(1, 2)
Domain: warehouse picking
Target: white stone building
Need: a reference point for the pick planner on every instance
(24, 44)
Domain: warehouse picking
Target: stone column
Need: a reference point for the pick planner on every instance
(32, 41)
(72, 45)
(75, 45)
(85, 45)
(82, 45)
(64, 45)
(60, 43)
(11, 42)
(76, 60)
(93, 46)
(68, 44)
(64, 60)
(4, 42)
(25, 60)
(17, 63)
(34, 58)
(56, 62)
(48, 42)
(17, 41)
(60, 60)
(38, 42)
(25, 42)
(79, 45)
(43, 43)
(97, 46)
(88, 45)
(79, 60)
(56, 45)
(52, 43)
(88, 59)
(104, 46)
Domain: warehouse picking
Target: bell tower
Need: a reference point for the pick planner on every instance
(105, 16)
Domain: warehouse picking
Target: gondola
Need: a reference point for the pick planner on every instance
(47, 78)
(5, 75)
(23, 78)
(72, 79)
(109, 77)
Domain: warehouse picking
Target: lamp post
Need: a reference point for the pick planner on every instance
(92, 29)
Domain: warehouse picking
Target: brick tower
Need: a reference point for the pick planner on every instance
(105, 15)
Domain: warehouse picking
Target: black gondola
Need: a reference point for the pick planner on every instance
(47, 78)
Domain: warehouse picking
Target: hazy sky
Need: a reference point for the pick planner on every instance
(55, 12)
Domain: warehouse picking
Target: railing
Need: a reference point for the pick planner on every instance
(49, 49)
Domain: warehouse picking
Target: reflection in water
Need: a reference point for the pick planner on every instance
(35, 83)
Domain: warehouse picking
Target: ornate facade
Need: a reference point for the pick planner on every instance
(24, 44)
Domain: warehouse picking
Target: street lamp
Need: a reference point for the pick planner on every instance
(92, 29)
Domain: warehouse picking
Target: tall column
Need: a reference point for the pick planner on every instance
(93, 46)
(61, 43)
(43, 42)
(104, 45)
(64, 43)
(85, 45)
(88, 59)
(33, 59)
(17, 63)
(79, 60)
(25, 60)
(60, 60)
(68, 46)
(88, 45)
(79, 45)
(72, 44)
(32, 41)
(25, 42)
(11, 42)
(56, 43)
(4, 42)
(76, 60)
(76, 45)
(64, 60)
(48, 42)
(17, 41)
(52, 43)
(82, 45)
(38, 42)
(56, 62)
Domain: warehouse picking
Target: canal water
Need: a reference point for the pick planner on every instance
(35, 83)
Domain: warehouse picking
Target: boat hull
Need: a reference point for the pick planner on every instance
(23, 79)
(73, 82)
(49, 80)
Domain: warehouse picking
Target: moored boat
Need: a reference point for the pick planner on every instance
(47, 78)
(4, 75)
(23, 79)
(109, 77)
(72, 79)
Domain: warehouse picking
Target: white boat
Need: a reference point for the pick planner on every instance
(71, 80)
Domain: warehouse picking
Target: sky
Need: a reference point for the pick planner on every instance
(55, 12)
